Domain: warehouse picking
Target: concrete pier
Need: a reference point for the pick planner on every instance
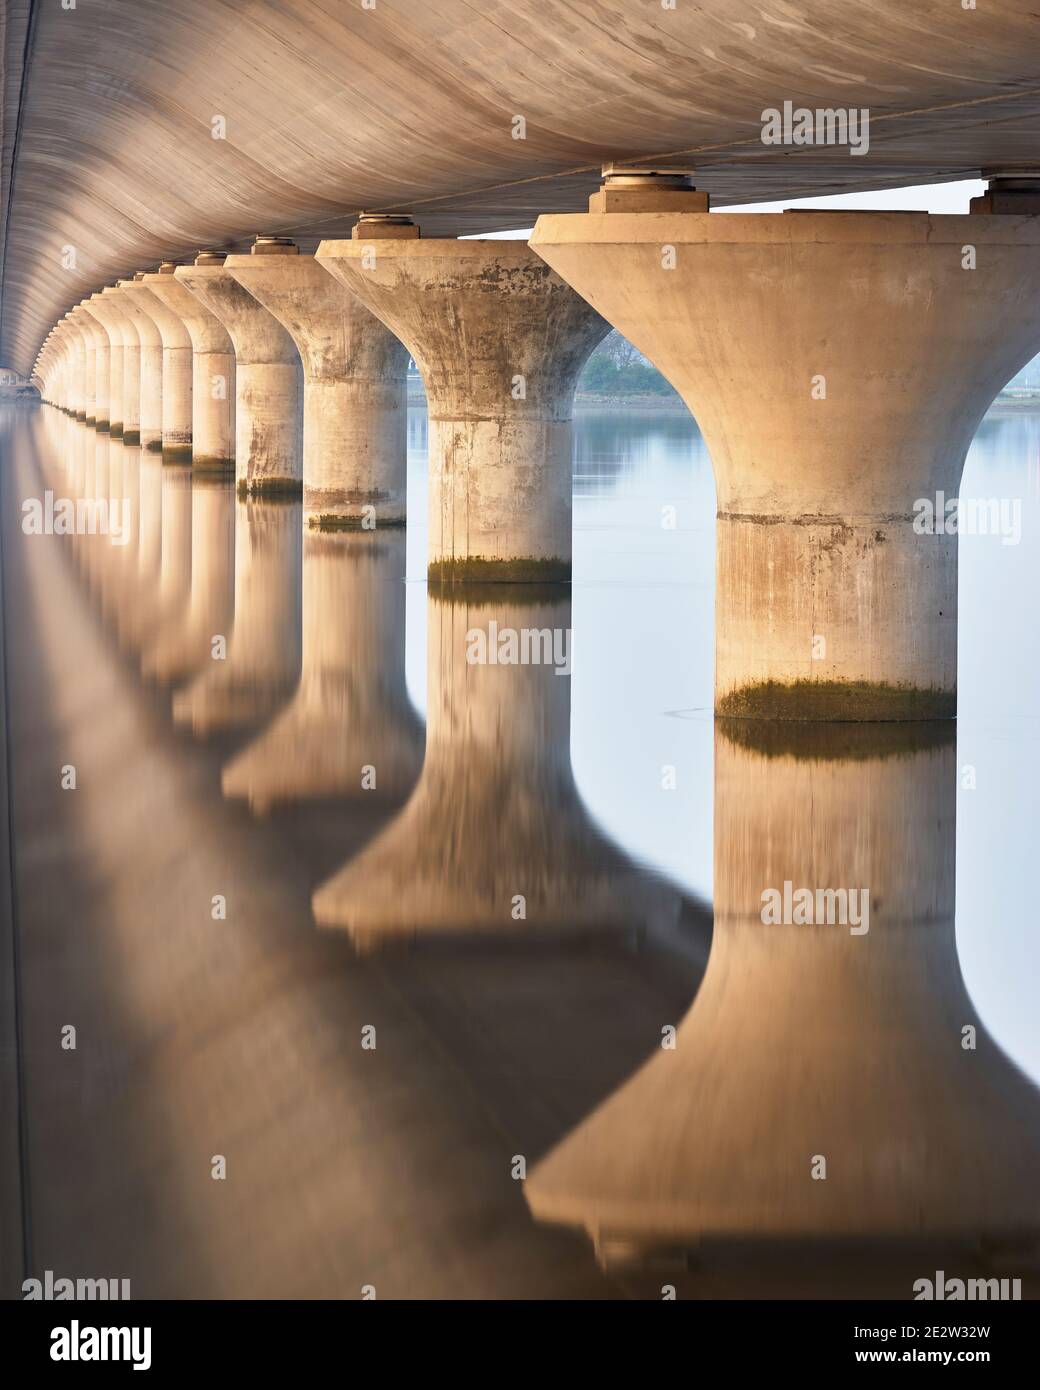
(354, 391)
(111, 322)
(838, 365)
(178, 366)
(500, 341)
(135, 302)
(351, 710)
(495, 838)
(114, 302)
(95, 391)
(808, 1041)
(213, 372)
(268, 380)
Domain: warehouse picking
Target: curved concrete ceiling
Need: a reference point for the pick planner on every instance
(330, 107)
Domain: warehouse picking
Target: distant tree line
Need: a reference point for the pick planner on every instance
(616, 368)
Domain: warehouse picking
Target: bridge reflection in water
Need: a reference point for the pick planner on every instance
(520, 969)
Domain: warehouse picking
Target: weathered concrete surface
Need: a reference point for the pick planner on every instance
(105, 313)
(96, 367)
(177, 366)
(500, 341)
(268, 383)
(355, 411)
(135, 302)
(328, 109)
(496, 812)
(806, 1040)
(838, 365)
(114, 303)
(213, 376)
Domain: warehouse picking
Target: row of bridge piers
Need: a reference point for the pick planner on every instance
(856, 1044)
(838, 365)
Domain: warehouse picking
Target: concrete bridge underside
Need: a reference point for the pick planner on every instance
(108, 114)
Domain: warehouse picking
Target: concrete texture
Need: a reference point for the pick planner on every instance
(268, 384)
(838, 365)
(182, 649)
(805, 1040)
(500, 341)
(96, 368)
(111, 321)
(354, 402)
(136, 300)
(114, 304)
(177, 367)
(213, 376)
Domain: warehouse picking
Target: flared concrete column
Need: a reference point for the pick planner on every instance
(213, 372)
(136, 300)
(813, 1039)
(351, 710)
(500, 341)
(112, 322)
(838, 365)
(495, 837)
(85, 412)
(114, 305)
(355, 406)
(102, 370)
(261, 665)
(180, 651)
(178, 369)
(268, 380)
(95, 368)
(75, 363)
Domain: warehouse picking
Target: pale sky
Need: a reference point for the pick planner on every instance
(928, 197)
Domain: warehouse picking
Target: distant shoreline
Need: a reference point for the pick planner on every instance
(585, 401)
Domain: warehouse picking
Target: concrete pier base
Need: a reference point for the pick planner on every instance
(355, 409)
(268, 384)
(500, 341)
(808, 1042)
(838, 365)
(495, 838)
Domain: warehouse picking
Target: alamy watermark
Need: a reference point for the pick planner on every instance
(81, 516)
(945, 1289)
(969, 516)
(801, 125)
(526, 646)
(845, 907)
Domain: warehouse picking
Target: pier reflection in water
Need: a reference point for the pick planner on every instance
(832, 1080)
(544, 932)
